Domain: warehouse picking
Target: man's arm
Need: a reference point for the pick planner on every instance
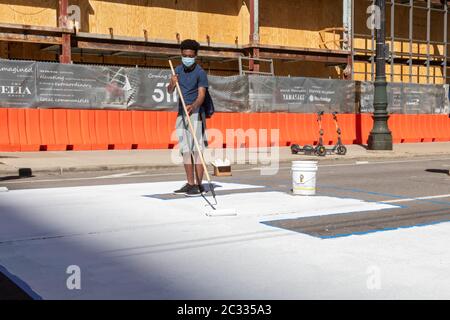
(172, 84)
(198, 102)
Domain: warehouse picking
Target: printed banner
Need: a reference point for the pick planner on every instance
(300, 95)
(406, 98)
(85, 87)
(25, 84)
(17, 84)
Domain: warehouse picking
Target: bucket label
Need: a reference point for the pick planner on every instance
(304, 182)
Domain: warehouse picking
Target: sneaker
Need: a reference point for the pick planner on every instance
(202, 189)
(194, 191)
(184, 189)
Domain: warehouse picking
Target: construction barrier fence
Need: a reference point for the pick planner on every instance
(50, 106)
(30, 84)
(23, 129)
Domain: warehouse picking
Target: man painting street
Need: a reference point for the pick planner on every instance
(193, 82)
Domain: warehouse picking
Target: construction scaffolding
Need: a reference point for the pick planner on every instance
(411, 58)
(231, 30)
(328, 43)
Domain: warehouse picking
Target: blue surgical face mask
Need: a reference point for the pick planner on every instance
(187, 61)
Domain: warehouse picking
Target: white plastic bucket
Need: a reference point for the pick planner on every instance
(304, 177)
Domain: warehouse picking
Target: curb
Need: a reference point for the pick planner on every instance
(96, 168)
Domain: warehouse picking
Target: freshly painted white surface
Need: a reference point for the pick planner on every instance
(131, 244)
(418, 198)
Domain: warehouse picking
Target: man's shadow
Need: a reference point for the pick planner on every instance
(438, 171)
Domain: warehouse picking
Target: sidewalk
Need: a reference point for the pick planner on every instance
(73, 161)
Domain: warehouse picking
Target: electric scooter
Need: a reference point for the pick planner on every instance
(320, 149)
(307, 149)
(339, 148)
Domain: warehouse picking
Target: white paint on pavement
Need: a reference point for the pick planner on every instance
(131, 244)
(418, 198)
(92, 209)
(119, 175)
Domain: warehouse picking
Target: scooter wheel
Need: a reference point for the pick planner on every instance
(308, 148)
(295, 148)
(341, 150)
(321, 151)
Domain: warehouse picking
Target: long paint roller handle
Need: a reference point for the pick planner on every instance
(192, 129)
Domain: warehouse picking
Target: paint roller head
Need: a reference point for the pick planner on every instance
(219, 212)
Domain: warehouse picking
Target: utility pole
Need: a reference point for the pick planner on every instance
(380, 137)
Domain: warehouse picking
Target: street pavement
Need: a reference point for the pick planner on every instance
(376, 229)
(60, 162)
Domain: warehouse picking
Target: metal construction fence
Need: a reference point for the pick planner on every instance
(29, 84)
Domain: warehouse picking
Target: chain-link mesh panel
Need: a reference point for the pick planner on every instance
(406, 98)
(300, 95)
(29, 84)
(229, 94)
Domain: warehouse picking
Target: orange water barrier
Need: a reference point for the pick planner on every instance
(68, 129)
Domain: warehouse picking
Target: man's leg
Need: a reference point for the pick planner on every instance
(189, 168)
(191, 157)
(199, 170)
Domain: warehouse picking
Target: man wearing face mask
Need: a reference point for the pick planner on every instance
(193, 82)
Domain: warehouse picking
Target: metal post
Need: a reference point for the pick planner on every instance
(352, 39)
(254, 33)
(63, 18)
(66, 54)
(411, 17)
(346, 24)
(347, 36)
(256, 21)
(445, 40)
(372, 64)
(241, 72)
(392, 39)
(428, 38)
(380, 137)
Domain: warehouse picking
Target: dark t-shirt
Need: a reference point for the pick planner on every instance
(189, 82)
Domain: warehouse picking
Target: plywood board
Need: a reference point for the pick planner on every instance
(32, 12)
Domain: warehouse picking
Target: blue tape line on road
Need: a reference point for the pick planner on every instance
(381, 230)
(267, 223)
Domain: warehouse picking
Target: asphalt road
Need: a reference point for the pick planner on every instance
(420, 186)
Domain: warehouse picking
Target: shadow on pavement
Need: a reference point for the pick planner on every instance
(9, 290)
(22, 173)
(438, 171)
